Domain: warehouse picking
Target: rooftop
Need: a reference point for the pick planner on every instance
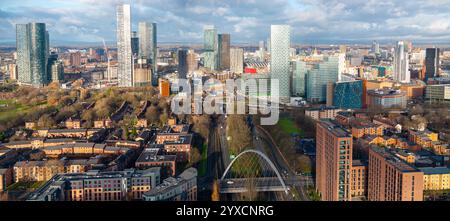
(390, 157)
(435, 170)
(335, 128)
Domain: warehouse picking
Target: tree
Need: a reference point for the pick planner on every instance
(45, 121)
(239, 133)
(194, 157)
(303, 163)
(202, 125)
(215, 196)
(152, 115)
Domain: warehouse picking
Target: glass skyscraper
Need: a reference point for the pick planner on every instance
(224, 51)
(32, 41)
(299, 70)
(148, 46)
(319, 76)
(348, 95)
(182, 63)
(401, 63)
(279, 58)
(210, 47)
(124, 52)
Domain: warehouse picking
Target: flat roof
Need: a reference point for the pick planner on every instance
(335, 128)
(435, 170)
(394, 160)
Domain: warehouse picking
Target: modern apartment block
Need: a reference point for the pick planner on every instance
(98, 186)
(124, 52)
(280, 36)
(182, 188)
(333, 161)
(392, 179)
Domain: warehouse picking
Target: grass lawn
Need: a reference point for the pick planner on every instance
(25, 185)
(14, 109)
(204, 161)
(288, 126)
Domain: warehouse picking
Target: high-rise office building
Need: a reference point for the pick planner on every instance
(375, 47)
(148, 46)
(319, 75)
(124, 51)
(262, 52)
(210, 48)
(392, 179)
(333, 161)
(224, 51)
(401, 63)
(182, 63)
(32, 53)
(237, 60)
(280, 37)
(57, 71)
(299, 71)
(134, 44)
(192, 61)
(431, 63)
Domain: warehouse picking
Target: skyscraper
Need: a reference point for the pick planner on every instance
(432, 63)
(401, 63)
(124, 52)
(375, 47)
(262, 52)
(224, 51)
(148, 46)
(280, 37)
(237, 60)
(299, 71)
(333, 161)
(192, 61)
(210, 48)
(32, 53)
(319, 75)
(182, 63)
(134, 44)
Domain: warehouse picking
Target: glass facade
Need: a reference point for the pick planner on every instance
(211, 48)
(279, 59)
(319, 75)
(348, 95)
(124, 53)
(148, 47)
(32, 53)
(224, 51)
(299, 71)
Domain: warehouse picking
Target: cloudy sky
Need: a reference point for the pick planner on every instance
(248, 21)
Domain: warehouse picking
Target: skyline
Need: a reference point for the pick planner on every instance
(312, 22)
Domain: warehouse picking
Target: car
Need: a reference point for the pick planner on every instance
(230, 182)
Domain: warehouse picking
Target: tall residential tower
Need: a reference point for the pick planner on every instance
(32, 41)
(124, 51)
(279, 58)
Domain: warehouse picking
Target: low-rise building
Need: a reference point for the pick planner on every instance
(182, 188)
(177, 144)
(98, 186)
(436, 178)
(152, 157)
(6, 178)
(322, 112)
